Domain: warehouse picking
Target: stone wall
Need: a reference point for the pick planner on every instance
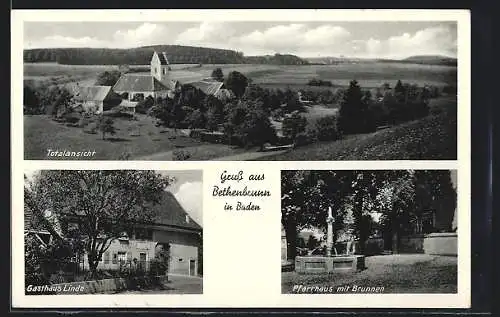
(441, 243)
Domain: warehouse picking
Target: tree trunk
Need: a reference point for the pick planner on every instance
(93, 262)
(291, 240)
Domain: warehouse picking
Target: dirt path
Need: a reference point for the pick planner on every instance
(248, 156)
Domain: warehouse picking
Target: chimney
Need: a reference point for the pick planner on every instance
(187, 219)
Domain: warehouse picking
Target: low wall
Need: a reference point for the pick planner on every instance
(324, 264)
(96, 287)
(440, 243)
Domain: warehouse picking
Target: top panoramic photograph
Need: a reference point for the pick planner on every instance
(236, 91)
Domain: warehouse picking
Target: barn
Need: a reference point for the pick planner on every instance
(92, 98)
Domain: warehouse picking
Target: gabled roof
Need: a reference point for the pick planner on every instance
(95, 93)
(171, 213)
(138, 82)
(209, 87)
(163, 58)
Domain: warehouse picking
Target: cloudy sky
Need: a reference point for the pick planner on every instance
(307, 39)
(188, 188)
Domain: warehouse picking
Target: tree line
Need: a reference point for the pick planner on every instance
(142, 56)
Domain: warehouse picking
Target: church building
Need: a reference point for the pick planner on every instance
(162, 81)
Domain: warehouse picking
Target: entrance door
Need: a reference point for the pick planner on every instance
(192, 267)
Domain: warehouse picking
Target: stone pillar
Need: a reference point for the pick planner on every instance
(329, 232)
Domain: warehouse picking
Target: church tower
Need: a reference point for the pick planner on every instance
(160, 66)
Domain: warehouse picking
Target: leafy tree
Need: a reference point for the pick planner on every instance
(162, 111)
(106, 126)
(55, 100)
(31, 101)
(237, 83)
(353, 114)
(217, 74)
(196, 120)
(293, 125)
(326, 128)
(256, 128)
(97, 207)
(400, 92)
(108, 78)
(144, 105)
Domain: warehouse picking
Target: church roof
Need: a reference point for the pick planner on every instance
(163, 58)
(139, 82)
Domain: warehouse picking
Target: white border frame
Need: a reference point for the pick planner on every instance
(262, 287)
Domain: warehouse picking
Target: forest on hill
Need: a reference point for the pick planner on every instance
(177, 54)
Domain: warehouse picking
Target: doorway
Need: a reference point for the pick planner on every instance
(192, 267)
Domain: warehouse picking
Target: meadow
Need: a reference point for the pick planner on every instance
(369, 74)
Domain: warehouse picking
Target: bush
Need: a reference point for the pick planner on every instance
(326, 128)
(144, 105)
(73, 117)
(180, 155)
(303, 139)
(158, 267)
(320, 82)
(119, 113)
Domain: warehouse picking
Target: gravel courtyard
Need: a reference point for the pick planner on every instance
(399, 273)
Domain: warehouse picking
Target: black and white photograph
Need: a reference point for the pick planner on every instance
(113, 232)
(240, 90)
(369, 231)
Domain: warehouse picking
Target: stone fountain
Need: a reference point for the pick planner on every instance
(329, 263)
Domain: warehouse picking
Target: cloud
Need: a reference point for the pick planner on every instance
(295, 38)
(206, 32)
(142, 35)
(438, 40)
(60, 41)
(189, 196)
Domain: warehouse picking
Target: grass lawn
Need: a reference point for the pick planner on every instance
(430, 138)
(400, 273)
(133, 138)
(139, 140)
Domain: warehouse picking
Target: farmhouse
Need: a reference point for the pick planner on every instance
(162, 81)
(92, 98)
(173, 230)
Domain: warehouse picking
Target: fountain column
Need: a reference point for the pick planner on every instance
(329, 232)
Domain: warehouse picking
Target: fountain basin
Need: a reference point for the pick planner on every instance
(329, 264)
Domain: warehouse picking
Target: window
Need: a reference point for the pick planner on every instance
(106, 257)
(115, 258)
(164, 71)
(122, 256)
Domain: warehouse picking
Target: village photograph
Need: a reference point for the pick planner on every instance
(371, 231)
(236, 90)
(113, 232)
